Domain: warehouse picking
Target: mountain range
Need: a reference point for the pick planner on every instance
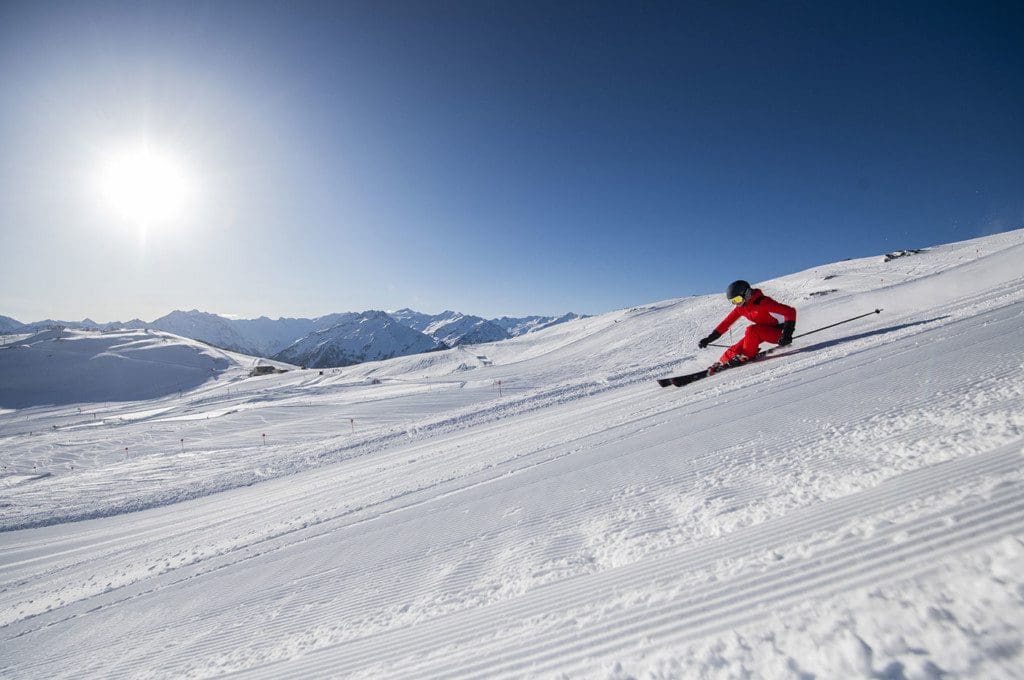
(340, 339)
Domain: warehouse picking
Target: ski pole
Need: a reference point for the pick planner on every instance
(838, 323)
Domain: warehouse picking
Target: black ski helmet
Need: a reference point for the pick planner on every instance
(738, 289)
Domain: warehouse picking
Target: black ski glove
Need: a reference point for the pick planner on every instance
(787, 333)
(704, 342)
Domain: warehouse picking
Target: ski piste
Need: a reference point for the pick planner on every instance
(686, 379)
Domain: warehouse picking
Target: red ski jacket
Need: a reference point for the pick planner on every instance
(760, 309)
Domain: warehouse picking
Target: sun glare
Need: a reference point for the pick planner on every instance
(144, 186)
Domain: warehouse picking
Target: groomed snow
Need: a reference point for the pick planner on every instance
(850, 508)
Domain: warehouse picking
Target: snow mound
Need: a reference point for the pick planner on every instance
(56, 367)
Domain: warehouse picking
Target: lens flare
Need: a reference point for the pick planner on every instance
(144, 186)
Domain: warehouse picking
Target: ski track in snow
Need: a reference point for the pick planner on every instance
(853, 508)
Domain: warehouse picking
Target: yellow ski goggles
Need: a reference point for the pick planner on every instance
(738, 300)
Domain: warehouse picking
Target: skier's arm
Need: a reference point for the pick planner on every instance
(719, 329)
(712, 336)
(780, 312)
(787, 333)
(728, 321)
(787, 321)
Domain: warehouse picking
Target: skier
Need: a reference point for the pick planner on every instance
(773, 322)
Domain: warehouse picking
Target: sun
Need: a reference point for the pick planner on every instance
(144, 185)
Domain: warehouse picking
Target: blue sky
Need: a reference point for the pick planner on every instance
(494, 158)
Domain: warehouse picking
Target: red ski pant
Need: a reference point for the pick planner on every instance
(752, 339)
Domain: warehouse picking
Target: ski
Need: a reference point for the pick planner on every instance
(680, 380)
(686, 379)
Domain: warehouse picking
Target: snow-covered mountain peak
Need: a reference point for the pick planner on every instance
(266, 337)
(209, 328)
(460, 329)
(372, 335)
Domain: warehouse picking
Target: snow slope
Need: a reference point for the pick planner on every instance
(851, 508)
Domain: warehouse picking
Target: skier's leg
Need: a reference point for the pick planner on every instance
(748, 346)
(756, 334)
(731, 352)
